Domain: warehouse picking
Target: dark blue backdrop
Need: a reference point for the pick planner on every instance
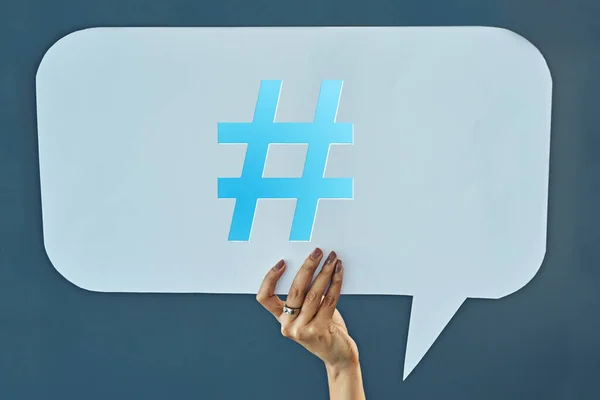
(60, 342)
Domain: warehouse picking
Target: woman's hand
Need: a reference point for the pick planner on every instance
(312, 320)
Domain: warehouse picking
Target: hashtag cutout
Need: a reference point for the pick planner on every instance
(263, 131)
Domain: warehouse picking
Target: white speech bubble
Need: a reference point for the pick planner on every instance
(450, 160)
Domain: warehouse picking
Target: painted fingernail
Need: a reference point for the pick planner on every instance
(315, 254)
(279, 265)
(331, 257)
(338, 266)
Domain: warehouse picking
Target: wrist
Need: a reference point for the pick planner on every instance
(350, 368)
(345, 381)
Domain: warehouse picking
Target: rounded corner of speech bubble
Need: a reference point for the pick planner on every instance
(65, 274)
(516, 39)
(537, 262)
(54, 53)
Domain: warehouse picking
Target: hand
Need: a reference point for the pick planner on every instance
(316, 324)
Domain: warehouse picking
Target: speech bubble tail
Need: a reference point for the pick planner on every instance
(429, 316)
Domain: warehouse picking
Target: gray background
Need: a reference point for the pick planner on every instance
(57, 341)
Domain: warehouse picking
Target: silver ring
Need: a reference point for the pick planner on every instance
(290, 311)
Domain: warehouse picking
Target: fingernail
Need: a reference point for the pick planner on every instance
(338, 266)
(331, 257)
(315, 254)
(279, 265)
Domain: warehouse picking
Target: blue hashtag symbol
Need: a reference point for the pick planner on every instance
(264, 131)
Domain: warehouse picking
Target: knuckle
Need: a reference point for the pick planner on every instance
(294, 292)
(260, 298)
(304, 333)
(296, 333)
(311, 296)
(329, 300)
(312, 331)
(285, 331)
(300, 334)
(332, 329)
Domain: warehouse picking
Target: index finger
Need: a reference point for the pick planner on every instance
(266, 294)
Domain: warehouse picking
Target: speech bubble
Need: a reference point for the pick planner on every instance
(449, 160)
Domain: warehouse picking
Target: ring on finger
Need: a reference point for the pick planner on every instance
(290, 310)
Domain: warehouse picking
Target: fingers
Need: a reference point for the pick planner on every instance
(303, 278)
(329, 303)
(314, 296)
(318, 304)
(266, 294)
